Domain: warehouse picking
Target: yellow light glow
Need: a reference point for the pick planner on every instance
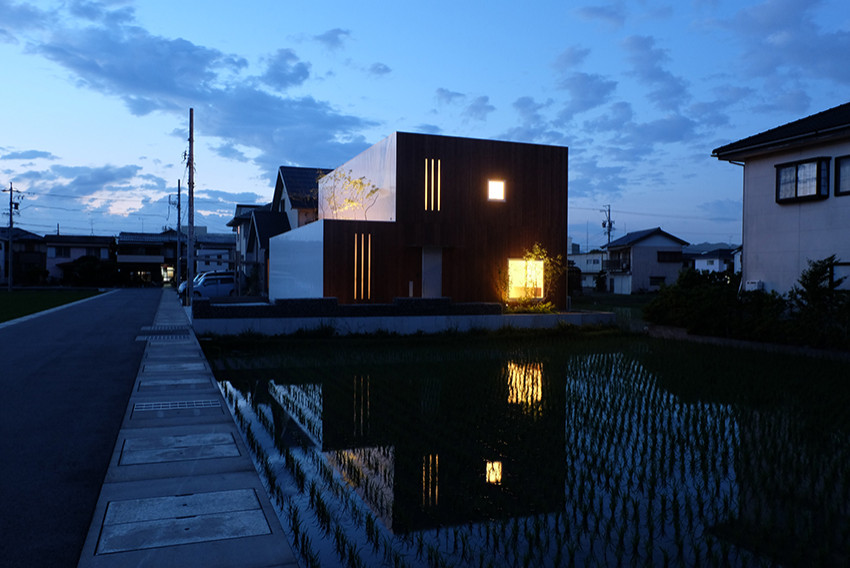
(494, 472)
(525, 383)
(525, 279)
(496, 190)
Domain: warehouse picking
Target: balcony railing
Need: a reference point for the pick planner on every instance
(616, 265)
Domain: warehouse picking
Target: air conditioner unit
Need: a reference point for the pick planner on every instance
(753, 285)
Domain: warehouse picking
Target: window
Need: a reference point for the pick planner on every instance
(842, 175)
(496, 190)
(63, 252)
(362, 266)
(802, 181)
(525, 279)
(432, 184)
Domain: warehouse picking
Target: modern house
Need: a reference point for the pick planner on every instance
(63, 250)
(796, 197)
(643, 261)
(427, 216)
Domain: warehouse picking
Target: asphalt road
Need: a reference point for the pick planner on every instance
(65, 381)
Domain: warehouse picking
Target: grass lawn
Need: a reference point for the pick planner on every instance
(19, 303)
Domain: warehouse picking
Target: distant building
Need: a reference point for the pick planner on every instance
(27, 258)
(643, 261)
(713, 257)
(62, 250)
(796, 197)
(591, 265)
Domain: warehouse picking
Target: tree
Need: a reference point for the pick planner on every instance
(343, 192)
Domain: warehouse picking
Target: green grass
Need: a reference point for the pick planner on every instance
(19, 303)
(627, 307)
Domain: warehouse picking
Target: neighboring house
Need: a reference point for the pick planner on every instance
(430, 216)
(296, 193)
(294, 204)
(28, 257)
(590, 264)
(62, 250)
(240, 224)
(151, 258)
(796, 198)
(264, 225)
(643, 261)
(713, 257)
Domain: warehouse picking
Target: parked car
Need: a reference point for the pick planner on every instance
(182, 288)
(214, 285)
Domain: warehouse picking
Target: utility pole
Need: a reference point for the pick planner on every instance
(190, 257)
(179, 234)
(12, 207)
(608, 224)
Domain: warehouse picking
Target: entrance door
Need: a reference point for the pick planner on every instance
(432, 272)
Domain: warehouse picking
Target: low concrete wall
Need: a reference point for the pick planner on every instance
(403, 325)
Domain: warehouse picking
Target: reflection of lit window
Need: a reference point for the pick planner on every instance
(494, 472)
(496, 190)
(430, 480)
(525, 279)
(525, 383)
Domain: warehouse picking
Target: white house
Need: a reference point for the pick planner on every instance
(643, 261)
(590, 264)
(796, 197)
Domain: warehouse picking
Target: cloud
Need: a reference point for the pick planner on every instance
(379, 69)
(148, 72)
(670, 92)
(479, 108)
(588, 178)
(231, 152)
(151, 73)
(28, 155)
(448, 97)
(333, 39)
(587, 91)
(285, 70)
(619, 115)
(571, 57)
(780, 38)
(613, 15)
(101, 12)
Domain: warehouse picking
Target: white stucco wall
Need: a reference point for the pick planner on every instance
(296, 263)
(779, 239)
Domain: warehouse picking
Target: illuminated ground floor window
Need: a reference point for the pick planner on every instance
(525, 279)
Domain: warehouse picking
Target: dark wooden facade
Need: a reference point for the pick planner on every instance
(450, 216)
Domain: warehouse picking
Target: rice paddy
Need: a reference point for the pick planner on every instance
(547, 451)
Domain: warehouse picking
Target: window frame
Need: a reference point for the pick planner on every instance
(838, 162)
(821, 180)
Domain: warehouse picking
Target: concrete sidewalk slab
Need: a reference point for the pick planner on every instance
(181, 488)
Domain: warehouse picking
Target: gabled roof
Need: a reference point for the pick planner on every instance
(630, 239)
(18, 235)
(264, 225)
(823, 126)
(243, 213)
(300, 184)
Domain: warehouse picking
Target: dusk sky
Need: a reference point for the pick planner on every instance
(96, 97)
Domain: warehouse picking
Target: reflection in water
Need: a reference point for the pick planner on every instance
(541, 461)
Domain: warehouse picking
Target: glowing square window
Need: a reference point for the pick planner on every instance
(496, 190)
(525, 279)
